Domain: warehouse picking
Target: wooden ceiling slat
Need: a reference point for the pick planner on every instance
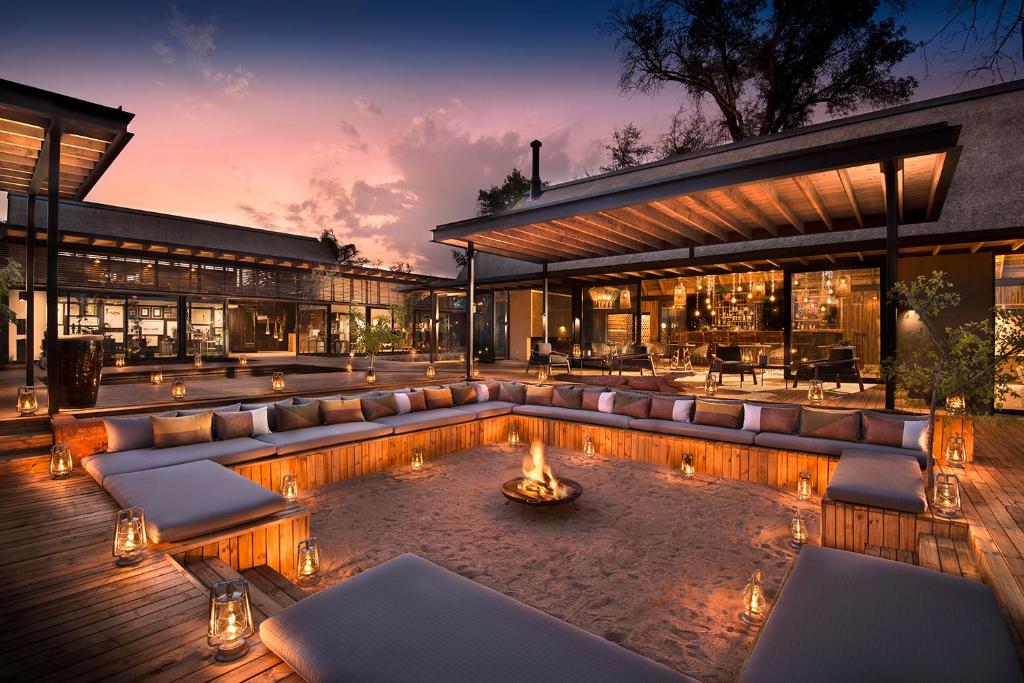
(83, 142)
(550, 237)
(20, 128)
(535, 245)
(617, 222)
(650, 219)
(719, 215)
(512, 245)
(599, 245)
(612, 227)
(676, 208)
(781, 206)
(746, 205)
(940, 160)
(806, 186)
(844, 180)
(22, 141)
(613, 239)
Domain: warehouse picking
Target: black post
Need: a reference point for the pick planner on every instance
(434, 324)
(787, 299)
(544, 304)
(577, 315)
(30, 292)
(52, 271)
(182, 328)
(470, 298)
(892, 248)
(637, 314)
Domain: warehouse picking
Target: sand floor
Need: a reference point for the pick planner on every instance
(650, 560)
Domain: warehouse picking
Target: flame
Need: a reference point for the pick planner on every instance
(540, 480)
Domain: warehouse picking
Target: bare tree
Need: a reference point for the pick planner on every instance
(690, 133)
(986, 34)
(627, 148)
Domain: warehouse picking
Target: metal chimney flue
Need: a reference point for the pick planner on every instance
(535, 177)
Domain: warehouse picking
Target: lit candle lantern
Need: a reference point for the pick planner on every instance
(687, 468)
(513, 435)
(815, 391)
(956, 404)
(230, 619)
(118, 360)
(197, 361)
(576, 351)
(946, 495)
(475, 370)
(804, 487)
(243, 360)
(710, 386)
(798, 530)
(754, 603)
(417, 459)
(156, 376)
(431, 369)
(348, 364)
(308, 562)
(956, 451)
(588, 447)
(28, 404)
(277, 381)
(542, 375)
(371, 375)
(290, 486)
(178, 390)
(61, 463)
(130, 536)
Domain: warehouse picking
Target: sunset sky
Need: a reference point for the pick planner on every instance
(379, 119)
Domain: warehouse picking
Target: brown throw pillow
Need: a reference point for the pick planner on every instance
(232, 425)
(661, 407)
(537, 395)
(463, 394)
(512, 392)
(567, 397)
(632, 405)
(417, 401)
(438, 398)
(840, 425)
(180, 431)
(896, 431)
(297, 416)
(779, 419)
(493, 390)
(717, 414)
(378, 406)
(591, 396)
(341, 410)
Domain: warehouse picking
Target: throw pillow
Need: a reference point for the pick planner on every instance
(896, 431)
(337, 411)
(606, 402)
(762, 418)
(128, 433)
(260, 421)
(232, 425)
(840, 425)
(567, 397)
(539, 395)
(297, 417)
(513, 392)
(631, 405)
(438, 398)
(310, 399)
(675, 409)
(233, 408)
(402, 402)
(493, 389)
(271, 422)
(181, 431)
(375, 407)
(483, 393)
(717, 414)
(463, 394)
(417, 401)
(591, 397)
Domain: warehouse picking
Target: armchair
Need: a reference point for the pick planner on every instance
(842, 363)
(729, 360)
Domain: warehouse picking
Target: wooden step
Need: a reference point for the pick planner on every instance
(269, 591)
(947, 555)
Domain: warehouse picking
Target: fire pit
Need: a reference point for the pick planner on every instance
(538, 486)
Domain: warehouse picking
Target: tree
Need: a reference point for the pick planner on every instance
(503, 197)
(400, 267)
(460, 258)
(627, 148)
(690, 134)
(374, 337)
(10, 276)
(971, 359)
(767, 67)
(341, 253)
(989, 34)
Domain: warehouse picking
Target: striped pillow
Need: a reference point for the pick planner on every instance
(181, 431)
(337, 411)
(841, 425)
(297, 417)
(676, 409)
(379, 406)
(631, 405)
(718, 414)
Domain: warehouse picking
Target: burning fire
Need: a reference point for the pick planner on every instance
(539, 481)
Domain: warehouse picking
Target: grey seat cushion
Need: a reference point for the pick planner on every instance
(848, 617)
(810, 444)
(574, 415)
(323, 436)
(879, 480)
(709, 432)
(426, 419)
(229, 452)
(411, 620)
(193, 499)
(488, 408)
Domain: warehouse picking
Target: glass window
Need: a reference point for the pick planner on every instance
(1009, 277)
(501, 325)
(312, 330)
(483, 328)
(608, 314)
(152, 328)
(206, 328)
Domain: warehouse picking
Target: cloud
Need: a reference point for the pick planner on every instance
(352, 133)
(368, 107)
(164, 51)
(195, 40)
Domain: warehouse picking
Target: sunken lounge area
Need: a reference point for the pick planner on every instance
(494, 530)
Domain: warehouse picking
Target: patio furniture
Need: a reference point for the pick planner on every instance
(540, 355)
(81, 363)
(880, 480)
(636, 357)
(842, 364)
(227, 452)
(408, 619)
(729, 360)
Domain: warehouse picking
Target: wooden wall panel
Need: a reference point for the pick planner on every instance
(848, 526)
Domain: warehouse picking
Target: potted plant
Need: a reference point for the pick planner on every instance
(372, 338)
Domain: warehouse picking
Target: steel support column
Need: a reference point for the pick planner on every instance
(30, 292)
(544, 304)
(470, 304)
(54, 134)
(891, 275)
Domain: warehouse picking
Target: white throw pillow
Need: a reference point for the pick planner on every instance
(402, 403)
(482, 394)
(751, 418)
(681, 410)
(915, 434)
(260, 423)
(606, 402)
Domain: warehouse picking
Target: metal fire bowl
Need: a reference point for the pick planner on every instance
(510, 489)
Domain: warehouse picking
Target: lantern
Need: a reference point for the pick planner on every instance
(277, 381)
(513, 435)
(577, 351)
(798, 530)
(118, 360)
(710, 386)
(602, 297)
(290, 486)
(815, 391)
(178, 388)
(687, 468)
(842, 286)
(60, 460)
(803, 486)
(542, 375)
(307, 565)
(230, 619)
(475, 369)
(625, 299)
(197, 361)
(754, 602)
(417, 459)
(156, 376)
(679, 295)
(956, 404)
(371, 375)
(956, 451)
(243, 360)
(946, 495)
(130, 536)
(431, 369)
(28, 404)
(588, 447)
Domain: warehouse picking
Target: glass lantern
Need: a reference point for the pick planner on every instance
(688, 468)
(348, 363)
(946, 495)
(475, 369)
(371, 375)
(956, 451)
(130, 536)
(230, 619)
(290, 486)
(417, 459)
(178, 390)
(156, 376)
(308, 562)
(119, 360)
(798, 530)
(61, 462)
(28, 404)
(197, 361)
(431, 370)
(588, 447)
(243, 360)
(513, 435)
(815, 391)
(542, 375)
(804, 487)
(710, 386)
(576, 351)
(277, 381)
(754, 603)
